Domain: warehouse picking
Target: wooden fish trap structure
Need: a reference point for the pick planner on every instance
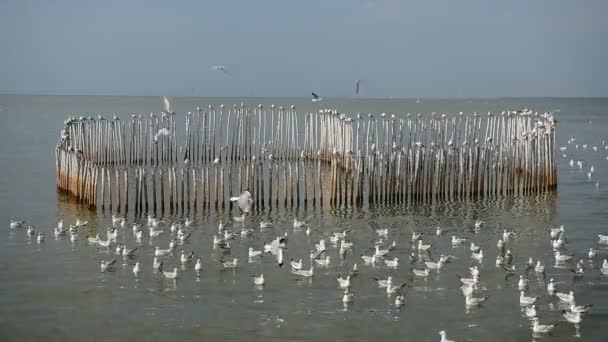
(324, 159)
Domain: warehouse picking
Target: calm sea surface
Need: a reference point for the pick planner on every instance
(55, 291)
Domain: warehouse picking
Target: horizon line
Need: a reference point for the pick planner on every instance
(324, 97)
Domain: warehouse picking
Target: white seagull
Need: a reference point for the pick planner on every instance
(259, 280)
(523, 300)
(171, 275)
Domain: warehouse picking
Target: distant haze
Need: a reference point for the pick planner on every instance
(415, 48)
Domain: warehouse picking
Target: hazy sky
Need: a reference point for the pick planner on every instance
(408, 48)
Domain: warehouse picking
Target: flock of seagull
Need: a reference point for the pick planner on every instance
(381, 254)
(420, 264)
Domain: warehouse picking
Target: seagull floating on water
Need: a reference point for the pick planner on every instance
(444, 337)
(259, 280)
(107, 266)
(171, 275)
(16, 224)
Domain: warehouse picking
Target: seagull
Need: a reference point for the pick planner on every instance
(603, 238)
(116, 219)
(343, 282)
(199, 265)
(80, 223)
(474, 271)
(107, 266)
(18, 224)
(40, 237)
(171, 275)
(384, 282)
(580, 308)
(221, 68)
(128, 253)
(435, 265)
(457, 241)
(506, 235)
(399, 300)
(183, 236)
(280, 258)
(478, 224)
(541, 328)
(231, 264)
(557, 244)
(30, 231)
(566, 297)
(474, 301)
(415, 236)
(478, 255)
(500, 260)
(531, 311)
(572, 317)
(474, 248)
(316, 98)
(323, 262)
(304, 273)
(156, 264)
(264, 224)
(298, 224)
(381, 252)
(320, 247)
(555, 232)
(539, 268)
(155, 233)
(253, 253)
(439, 231)
(523, 300)
(296, 265)
(444, 337)
(357, 83)
(259, 280)
(244, 201)
(423, 247)
(561, 257)
(421, 273)
(469, 281)
(348, 296)
(136, 269)
(369, 259)
(394, 289)
(161, 252)
(184, 259)
(551, 287)
(522, 284)
(592, 252)
(392, 263)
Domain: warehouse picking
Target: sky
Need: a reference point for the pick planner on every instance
(288, 48)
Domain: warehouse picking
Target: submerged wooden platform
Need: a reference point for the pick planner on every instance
(286, 159)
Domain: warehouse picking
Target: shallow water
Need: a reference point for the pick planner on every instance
(55, 290)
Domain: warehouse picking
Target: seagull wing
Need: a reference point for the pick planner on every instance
(315, 95)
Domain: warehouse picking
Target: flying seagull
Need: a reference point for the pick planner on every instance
(168, 105)
(357, 87)
(220, 68)
(316, 98)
